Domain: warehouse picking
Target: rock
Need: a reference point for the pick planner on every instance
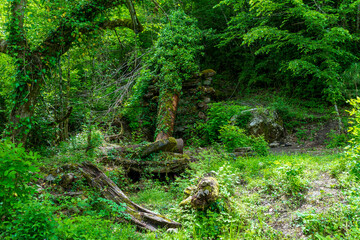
(188, 191)
(264, 122)
(172, 230)
(207, 192)
(67, 180)
(180, 129)
(207, 73)
(201, 104)
(207, 100)
(201, 115)
(179, 146)
(207, 82)
(244, 151)
(50, 178)
(274, 144)
(39, 188)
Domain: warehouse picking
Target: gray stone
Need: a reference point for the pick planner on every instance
(207, 100)
(67, 180)
(274, 144)
(50, 178)
(172, 230)
(207, 82)
(264, 122)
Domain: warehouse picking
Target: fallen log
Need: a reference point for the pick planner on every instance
(166, 145)
(141, 217)
(173, 163)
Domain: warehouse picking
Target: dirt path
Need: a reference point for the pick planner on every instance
(321, 195)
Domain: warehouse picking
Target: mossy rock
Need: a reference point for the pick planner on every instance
(267, 123)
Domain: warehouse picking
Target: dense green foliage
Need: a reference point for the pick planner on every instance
(172, 60)
(80, 78)
(16, 171)
(302, 46)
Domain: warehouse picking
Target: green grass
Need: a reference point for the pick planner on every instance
(264, 197)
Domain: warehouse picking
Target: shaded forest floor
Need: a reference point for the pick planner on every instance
(306, 194)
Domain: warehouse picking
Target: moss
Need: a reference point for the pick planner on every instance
(172, 144)
(207, 73)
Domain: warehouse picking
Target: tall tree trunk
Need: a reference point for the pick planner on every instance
(166, 114)
(29, 79)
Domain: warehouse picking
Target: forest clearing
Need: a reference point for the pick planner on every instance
(179, 119)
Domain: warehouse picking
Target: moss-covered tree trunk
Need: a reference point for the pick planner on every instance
(141, 217)
(168, 104)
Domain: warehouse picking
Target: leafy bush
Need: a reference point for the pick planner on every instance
(286, 179)
(336, 139)
(16, 171)
(32, 220)
(234, 137)
(353, 150)
(219, 115)
(92, 227)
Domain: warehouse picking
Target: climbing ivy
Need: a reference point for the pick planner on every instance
(172, 60)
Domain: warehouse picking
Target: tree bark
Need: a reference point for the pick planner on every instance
(176, 165)
(166, 115)
(165, 145)
(141, 217)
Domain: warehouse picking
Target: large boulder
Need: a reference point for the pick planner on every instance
(264, 122)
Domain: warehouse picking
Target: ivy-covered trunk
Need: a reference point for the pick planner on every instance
(168, 104)
(29, 78)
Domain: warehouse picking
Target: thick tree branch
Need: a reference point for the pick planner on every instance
(136, 24)
(17, 39)
(3, 46)
(58, 121)
(60, 40)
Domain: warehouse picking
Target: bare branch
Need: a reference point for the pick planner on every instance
(128, 23)
(3, 46)
(159, 7)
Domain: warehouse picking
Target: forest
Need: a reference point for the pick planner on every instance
(179, 119)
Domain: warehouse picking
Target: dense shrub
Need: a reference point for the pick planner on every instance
(235, 137)
(353, 150)
(31, 220)
(93, 227)
(16, 171)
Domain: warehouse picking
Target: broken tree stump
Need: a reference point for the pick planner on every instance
(141, 217)
(206, 192)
